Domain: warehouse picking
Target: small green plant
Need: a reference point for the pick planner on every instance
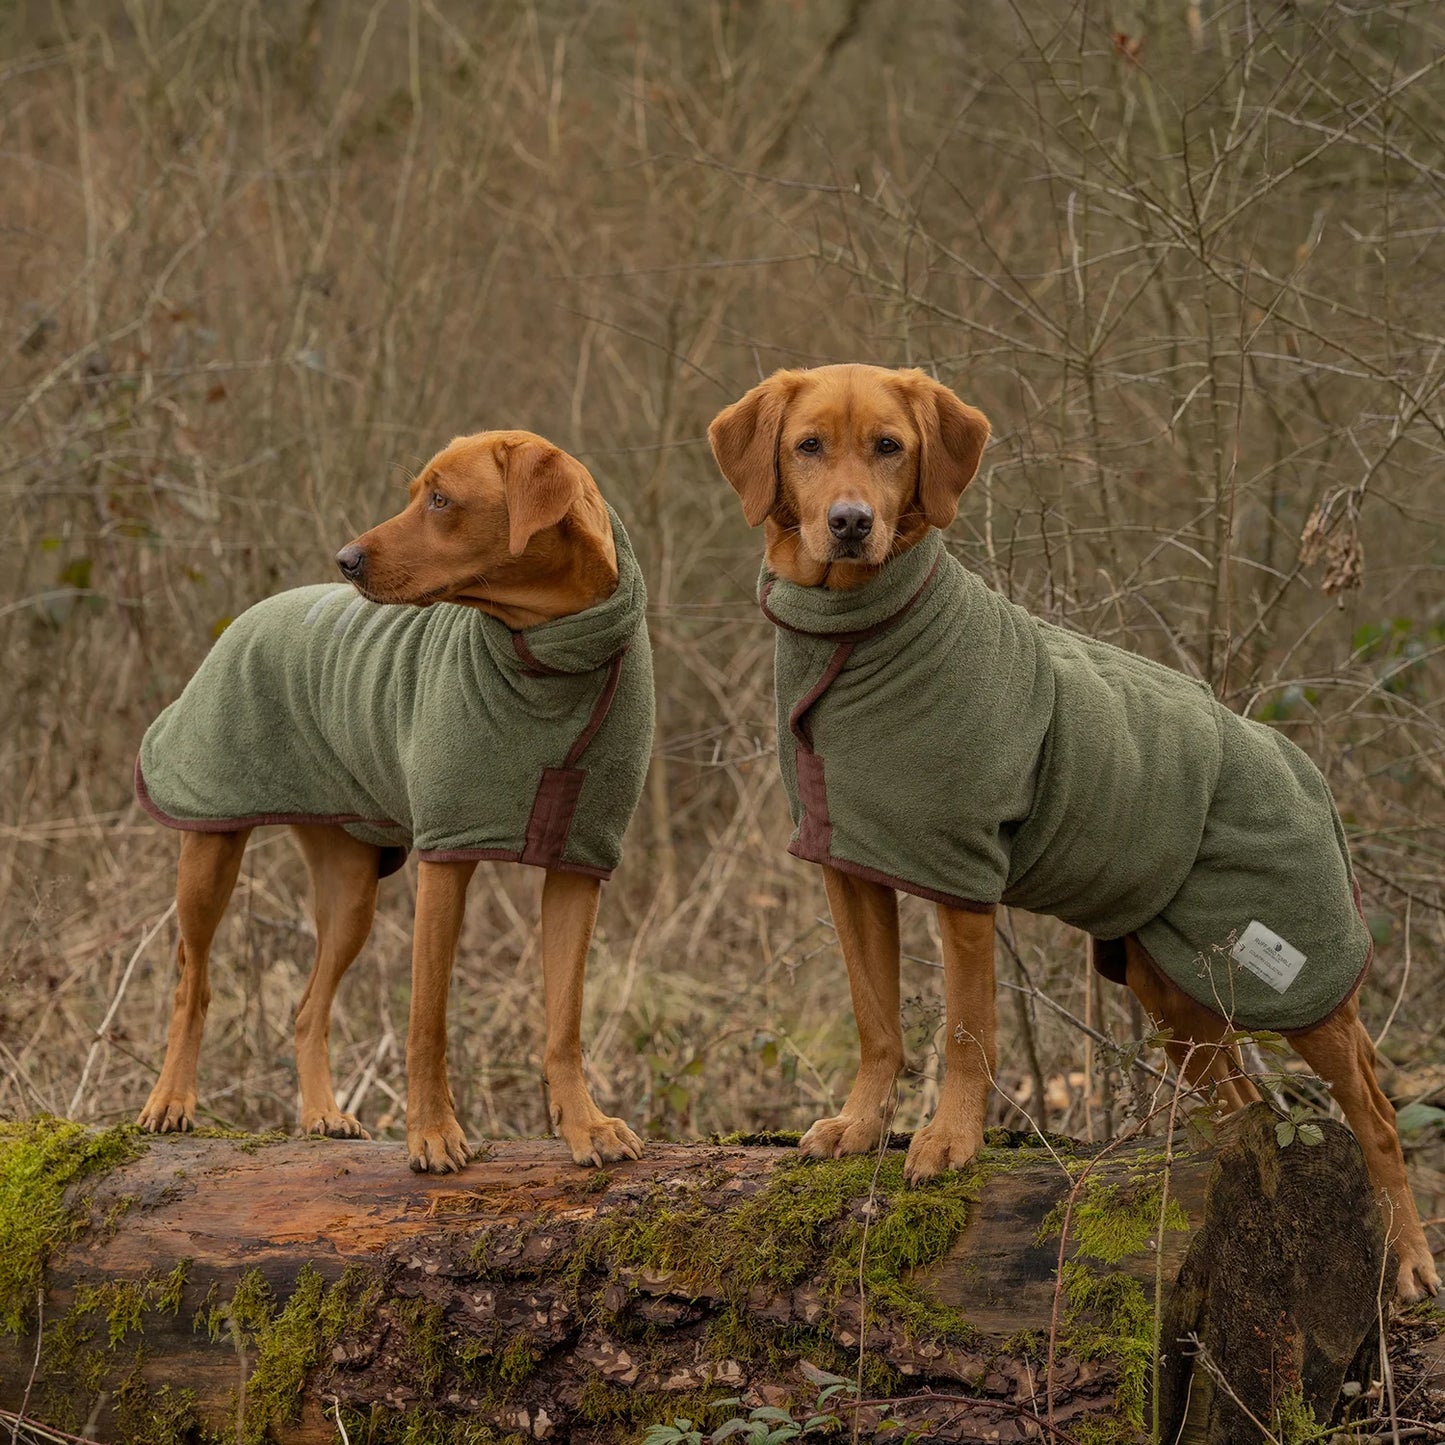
(764, 1425)
(1299, 1125)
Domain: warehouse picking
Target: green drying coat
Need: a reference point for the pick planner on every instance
(437, 728)
(937, 738)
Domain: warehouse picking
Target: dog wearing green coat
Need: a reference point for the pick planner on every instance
(938, 740)
(479, 686)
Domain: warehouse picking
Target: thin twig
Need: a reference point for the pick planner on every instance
(35, 1364)
(150, 933)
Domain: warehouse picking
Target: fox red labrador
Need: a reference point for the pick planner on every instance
(936, 739)
(479, 687)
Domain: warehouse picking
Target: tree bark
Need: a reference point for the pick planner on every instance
(256, 1289)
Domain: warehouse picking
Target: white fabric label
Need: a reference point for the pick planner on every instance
(1266, 955)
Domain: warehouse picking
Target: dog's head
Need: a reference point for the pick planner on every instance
(501, 520)
(847, 465)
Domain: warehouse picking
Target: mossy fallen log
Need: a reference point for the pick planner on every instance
(243, 1289)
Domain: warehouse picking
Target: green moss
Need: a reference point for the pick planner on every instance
(809, 1222)
(78, 1365)
(245, 1140)
(158, 1417)
(1112, 1220)
(1104, 1430)
(113, 1216)
(289, 1346)
(426, 1338)
(765, 1139)
(168, 1295)
(774, 1350)
(624, 1412)
(1295, 1422)
(122, 1302)
(481, 1245)
(201, 1320)
(383, 1426)
(517, 1363)
(290, 1341)
(1107, 1317)
(73, 1366)
(246, 1314)
(350, 1304)
(39, 1161)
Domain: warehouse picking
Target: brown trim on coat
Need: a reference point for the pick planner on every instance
(250, 820)
(507, 855)
(391, 857)
(815, 831)
(599, 713)
(874, 875)
(796, 724)
(527, 658)
(553, 809)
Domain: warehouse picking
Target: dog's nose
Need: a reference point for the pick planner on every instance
(850, 521)
(352, 561)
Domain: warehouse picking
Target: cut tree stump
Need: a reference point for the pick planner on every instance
(254, 1289)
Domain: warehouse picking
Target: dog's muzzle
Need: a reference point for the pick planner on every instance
(849, 524)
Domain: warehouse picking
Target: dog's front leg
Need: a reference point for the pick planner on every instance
(865, 916)
(569, 910)
(955, 1133)
(434, 1140)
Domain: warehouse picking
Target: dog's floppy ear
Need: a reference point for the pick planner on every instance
(953, 435)
(541, 483)
(744, 439)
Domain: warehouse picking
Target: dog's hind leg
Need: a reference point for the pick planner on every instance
(1341, 1053)
(569, 910)
(1195, 1046)
(205, 876)
(343, 900)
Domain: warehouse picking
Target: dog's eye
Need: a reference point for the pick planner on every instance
(438, 502)
(810, 445)
(887, 446)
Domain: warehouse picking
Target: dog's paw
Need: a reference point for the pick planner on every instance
(167, 1113)
(936, 1148)
(843, 1134)
(441, 1150)
(601, 1141)
(1418, 1278)
(332, 1124)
